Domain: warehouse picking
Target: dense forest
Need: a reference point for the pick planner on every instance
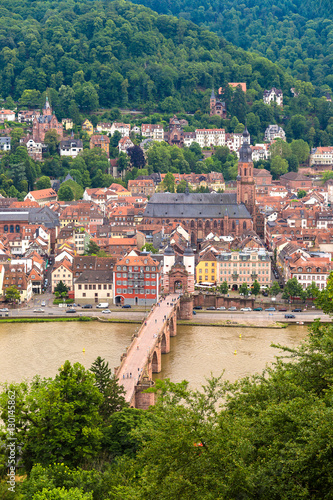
(296, 34)
(105, 54)
(271, 438)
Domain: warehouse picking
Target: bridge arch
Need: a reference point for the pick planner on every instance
(156, 361)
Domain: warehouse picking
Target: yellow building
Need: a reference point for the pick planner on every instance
(206, 268)
(87, 126)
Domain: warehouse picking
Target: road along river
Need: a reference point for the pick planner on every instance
(27, 349)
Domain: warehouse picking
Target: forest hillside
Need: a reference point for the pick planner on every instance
(298, 35)
(96, 54)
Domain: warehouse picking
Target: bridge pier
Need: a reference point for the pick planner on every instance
(142, 400)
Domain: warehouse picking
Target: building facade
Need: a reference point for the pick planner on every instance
(137, 280)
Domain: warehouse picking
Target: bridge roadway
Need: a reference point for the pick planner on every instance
(142, 348)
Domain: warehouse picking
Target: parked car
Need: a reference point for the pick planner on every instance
(126, 306)
(43, 303)
(210, 308)
(232, 308)
(296, 310)
(258, 309)
(270, 309)
(282, 309)
(71, 311)
(289, 316)
(222, 308)
(87, 306)
(106, 311)
(197, 308)
(246, 309)
(265, 294)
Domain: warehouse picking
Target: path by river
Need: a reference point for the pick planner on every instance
(27, 349)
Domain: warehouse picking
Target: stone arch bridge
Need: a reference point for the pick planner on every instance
(144, 356)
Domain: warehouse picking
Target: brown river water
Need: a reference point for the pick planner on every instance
(27, 349)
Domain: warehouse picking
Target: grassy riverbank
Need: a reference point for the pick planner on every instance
(45, 320)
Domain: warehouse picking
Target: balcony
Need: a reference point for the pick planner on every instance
(235, 276)
(254, 276)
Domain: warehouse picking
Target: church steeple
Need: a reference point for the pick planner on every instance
(47, 110)
(245, 179)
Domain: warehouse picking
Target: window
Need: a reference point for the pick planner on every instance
(83, 295)
(80, 287)
(105, 287)
(99, 287)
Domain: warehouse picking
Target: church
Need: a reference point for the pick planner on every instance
(44, 122)
(202, 213)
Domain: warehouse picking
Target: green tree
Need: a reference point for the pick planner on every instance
(325, 297)
(300, 149)
(279, 166)
(93, 248)
(149, 247)
(107, 383)
(12, 294)
(244, 289)
(52, 141)
(57, 419)
(168, 183)
(76, 188)
(43, 182)
(66, 193)
(312, 290)
(255, 288)
(301, 193)
(223, 288)
(61, 288)
(275, 289)
(293, 289)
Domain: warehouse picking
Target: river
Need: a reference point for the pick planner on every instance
(27, 349)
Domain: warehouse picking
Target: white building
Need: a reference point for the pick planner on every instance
(189, 138)
(273, 95)
(124, 144)
(7, 114)
(123, 128)
(152, 131)
(207, 138)
(274, 132)
(260, 152)
(322, 156)
(71, 147)
(104, 127)
(5, 143)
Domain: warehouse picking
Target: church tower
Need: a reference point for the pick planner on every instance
(245, 181)
(212, 103)
(47, 110)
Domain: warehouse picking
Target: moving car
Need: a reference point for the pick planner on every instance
(87, 306)
(43, 303)
(126, 306)
(71, 311)
(265, 294)
(258, 309)
(296, 310)
(106, 311)
(4, 310)
(246, 309)
(289, 316)
(39, 310)
(270, 309)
